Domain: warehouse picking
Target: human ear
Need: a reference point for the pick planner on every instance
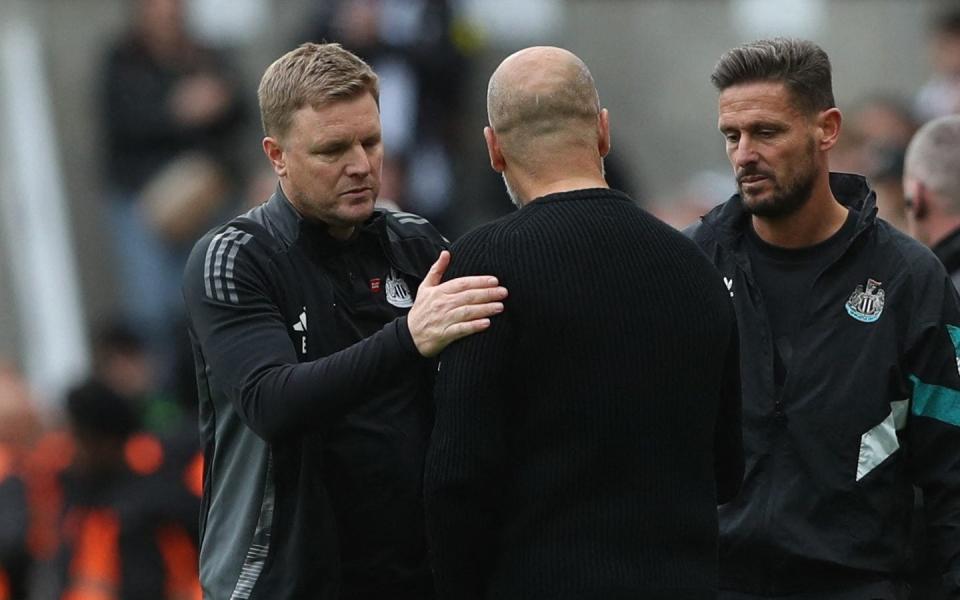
(497, 162)
(918, 203)
(828, 128)
(603, 125)
(276, 156)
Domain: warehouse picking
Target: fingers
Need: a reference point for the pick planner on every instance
(473, 312)
(481, 296)
(465, 328)
(447, 311)
(468, 283)
(435, 274)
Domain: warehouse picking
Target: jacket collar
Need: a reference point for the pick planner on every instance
(729, 220)
(288, 224)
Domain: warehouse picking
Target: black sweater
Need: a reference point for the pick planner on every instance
(583, 442)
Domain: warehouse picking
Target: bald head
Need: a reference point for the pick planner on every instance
(933, 159)
(542, 93)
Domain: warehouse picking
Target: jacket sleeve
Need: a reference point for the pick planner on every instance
(728, 440)
(933, 431)
(465, 461)
(230, 289)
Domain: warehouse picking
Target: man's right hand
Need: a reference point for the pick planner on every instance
(445, 312)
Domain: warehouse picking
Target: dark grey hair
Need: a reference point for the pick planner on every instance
(801, 65)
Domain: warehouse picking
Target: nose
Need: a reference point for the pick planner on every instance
(743, 153)
(358, 161)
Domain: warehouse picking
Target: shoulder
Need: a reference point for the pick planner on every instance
(914, 273)
(408, 226)
(692, 231)
(915, 257)
(224, 252)
(476, 251)
(478, 236)
(704, 230)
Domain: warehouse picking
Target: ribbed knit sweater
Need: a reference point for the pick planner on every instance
(583, 441)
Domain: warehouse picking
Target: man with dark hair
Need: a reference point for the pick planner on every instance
(849, 334)
(310, 333)
(577, 451)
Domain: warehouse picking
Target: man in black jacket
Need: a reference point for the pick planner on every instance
(583, 442)
(849, 332)
(309, 343)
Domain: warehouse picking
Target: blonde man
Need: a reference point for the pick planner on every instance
(310, 335)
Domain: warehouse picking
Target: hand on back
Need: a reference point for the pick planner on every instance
(445, 312)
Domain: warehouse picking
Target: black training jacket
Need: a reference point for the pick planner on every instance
(870, 407)
(306, 428)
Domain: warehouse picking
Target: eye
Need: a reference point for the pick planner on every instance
(731, 137)
(371, 142)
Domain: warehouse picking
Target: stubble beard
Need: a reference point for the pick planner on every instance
(786, 199)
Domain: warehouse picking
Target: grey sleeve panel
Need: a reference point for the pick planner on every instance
(236, 538)
(260, 546)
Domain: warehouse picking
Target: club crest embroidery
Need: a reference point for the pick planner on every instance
(397, 291)
(866, 303)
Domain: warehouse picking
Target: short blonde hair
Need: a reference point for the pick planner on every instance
(314, 75)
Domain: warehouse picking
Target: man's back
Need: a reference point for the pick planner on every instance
(575, 452)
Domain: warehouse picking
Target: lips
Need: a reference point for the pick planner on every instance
(356, 191)
(748, 179)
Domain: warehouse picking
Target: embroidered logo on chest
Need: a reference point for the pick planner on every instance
(866, 302)
(397, 291)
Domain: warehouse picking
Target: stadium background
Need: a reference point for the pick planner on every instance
(651, 60)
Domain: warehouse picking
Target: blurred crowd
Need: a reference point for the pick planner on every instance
(101, 501)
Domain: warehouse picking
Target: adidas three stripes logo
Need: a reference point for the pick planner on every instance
(218, 264)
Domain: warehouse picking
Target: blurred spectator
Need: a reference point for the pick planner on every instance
(170, 110)
(875, 137)
(126, 530)
(940, 95)
(18, 430)
(168, 418)
(411, 44)
(122, 363)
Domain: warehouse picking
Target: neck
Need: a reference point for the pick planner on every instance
(337, 232)
(817, 220)
(535, 188)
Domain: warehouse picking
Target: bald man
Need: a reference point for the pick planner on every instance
(931, 187)
(581, 443)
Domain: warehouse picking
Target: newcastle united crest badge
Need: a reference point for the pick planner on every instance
(866, 303)
(398, 294)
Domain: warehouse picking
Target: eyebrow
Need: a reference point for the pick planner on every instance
(755, 126)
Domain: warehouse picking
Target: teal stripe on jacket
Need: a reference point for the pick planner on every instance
(935, 402)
